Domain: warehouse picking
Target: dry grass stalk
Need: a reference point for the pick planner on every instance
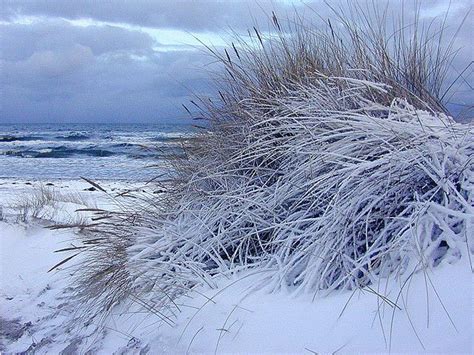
(330, 160)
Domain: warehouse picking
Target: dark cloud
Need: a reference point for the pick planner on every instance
(204, 15)
(20, 41)
(54, 71)
(107, 68)
(113, 88)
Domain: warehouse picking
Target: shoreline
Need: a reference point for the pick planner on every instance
(17, 196)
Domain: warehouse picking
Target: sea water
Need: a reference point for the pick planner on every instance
(136, 152)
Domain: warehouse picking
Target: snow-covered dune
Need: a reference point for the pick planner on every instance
(432, 315)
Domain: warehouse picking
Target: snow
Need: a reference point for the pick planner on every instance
(28, 293)
(237, 320)
(33, 303)
(280, 323)
(435, 313)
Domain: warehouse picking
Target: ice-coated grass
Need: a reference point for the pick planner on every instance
(320, 196)
(45, 202)
(328, 196)
(330, 163)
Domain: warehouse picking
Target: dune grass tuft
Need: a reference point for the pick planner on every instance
(330, 161)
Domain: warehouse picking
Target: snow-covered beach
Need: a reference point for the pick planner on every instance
(432, 316)
(319, 198)
(426, 314)
(32, 304)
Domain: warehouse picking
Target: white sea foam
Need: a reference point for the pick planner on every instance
(111, 152)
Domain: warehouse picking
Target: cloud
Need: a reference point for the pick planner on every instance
(55, 71)
(204, 15)
(20, 41)
(47, 63)
(125, 60)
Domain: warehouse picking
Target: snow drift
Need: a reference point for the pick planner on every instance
(334, 191)
(330, 163)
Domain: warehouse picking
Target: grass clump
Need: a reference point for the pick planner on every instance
(47, 203)
(331, 161)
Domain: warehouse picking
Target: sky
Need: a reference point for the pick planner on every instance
(139, 61)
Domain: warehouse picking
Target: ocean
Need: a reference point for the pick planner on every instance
(132, 152)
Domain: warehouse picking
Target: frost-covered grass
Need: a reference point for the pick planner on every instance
(49, 203)
(330, 163)
(329, 196)
(324, 195)
(35, 309)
